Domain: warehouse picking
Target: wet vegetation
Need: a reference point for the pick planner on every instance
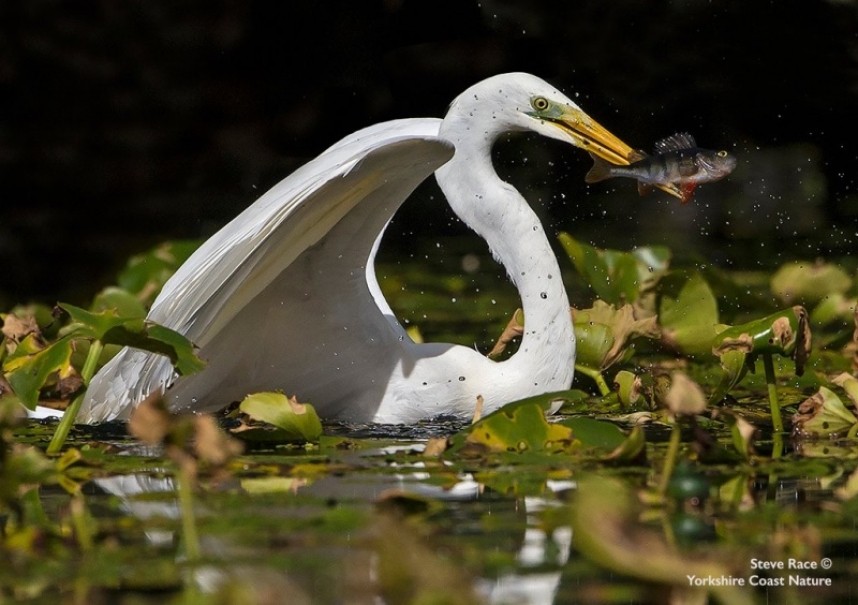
(706, 450)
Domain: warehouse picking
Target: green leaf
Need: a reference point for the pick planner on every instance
(808, 282)
(603, 333)
(733, 368)
(823, 415)
(689, 316)
(592, 433)
(785, 333)
(272, 485)
(617, 277)
(628, 387)
(30, 366)
(520, 427)
(298, 421)
(145, 274)
(109, 328)
(123, 302)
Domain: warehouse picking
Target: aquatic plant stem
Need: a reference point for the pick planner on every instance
(185, 480)
(81, 522)
(596, 376)
(70, 415)
(670, 457)
(771, 384)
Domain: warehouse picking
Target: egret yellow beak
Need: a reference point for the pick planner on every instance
(591, 136)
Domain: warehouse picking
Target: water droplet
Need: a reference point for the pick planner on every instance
(461, 379)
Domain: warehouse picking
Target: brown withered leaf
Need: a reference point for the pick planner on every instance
(150, 422)
(514, 329)
(68, 386)
(435, 446)
(804, 340)
(623, 325)
(822, 415)
(685, 397)
(213, 445)
(17, 328)
(743, 343)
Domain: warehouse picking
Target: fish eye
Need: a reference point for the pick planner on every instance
(539, 103)
(722, 154)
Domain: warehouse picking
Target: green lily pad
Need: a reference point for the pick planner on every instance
(823, 415)
(688, 314)
(518, 427)
(593, 433)
(808, 282)
(296, 421)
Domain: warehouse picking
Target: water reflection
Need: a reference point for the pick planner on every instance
(536, 559)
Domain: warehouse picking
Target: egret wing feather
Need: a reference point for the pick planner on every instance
(373, 171)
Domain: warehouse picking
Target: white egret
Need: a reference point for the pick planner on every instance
(285, 296)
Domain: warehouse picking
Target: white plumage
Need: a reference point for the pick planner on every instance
(285, 296)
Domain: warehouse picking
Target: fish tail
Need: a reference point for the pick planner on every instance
(600, 171)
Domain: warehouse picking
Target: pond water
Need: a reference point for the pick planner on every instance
(365, 517)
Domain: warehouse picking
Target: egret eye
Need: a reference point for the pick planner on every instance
(722, 154)
(539, 103)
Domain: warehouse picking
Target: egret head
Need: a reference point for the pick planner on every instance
(522, 102)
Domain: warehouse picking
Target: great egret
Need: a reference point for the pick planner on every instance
(285, 296)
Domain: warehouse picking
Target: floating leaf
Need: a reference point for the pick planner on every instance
(604, 333)
(808, 282)
(598, 434)
(822, 415)
(272, 485)
(297, 421)
(520, 427)
(689, 316)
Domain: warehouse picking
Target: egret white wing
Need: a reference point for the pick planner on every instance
(319, 226)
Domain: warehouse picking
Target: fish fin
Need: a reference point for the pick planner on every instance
(675, 142)
(687, 190)
(644, 188)
(600, 171)
(637, 155)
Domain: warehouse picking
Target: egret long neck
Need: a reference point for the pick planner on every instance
(498, 213)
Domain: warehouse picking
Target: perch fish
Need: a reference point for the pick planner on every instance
(677, 160)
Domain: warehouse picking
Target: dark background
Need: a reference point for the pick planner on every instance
(123, 124)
